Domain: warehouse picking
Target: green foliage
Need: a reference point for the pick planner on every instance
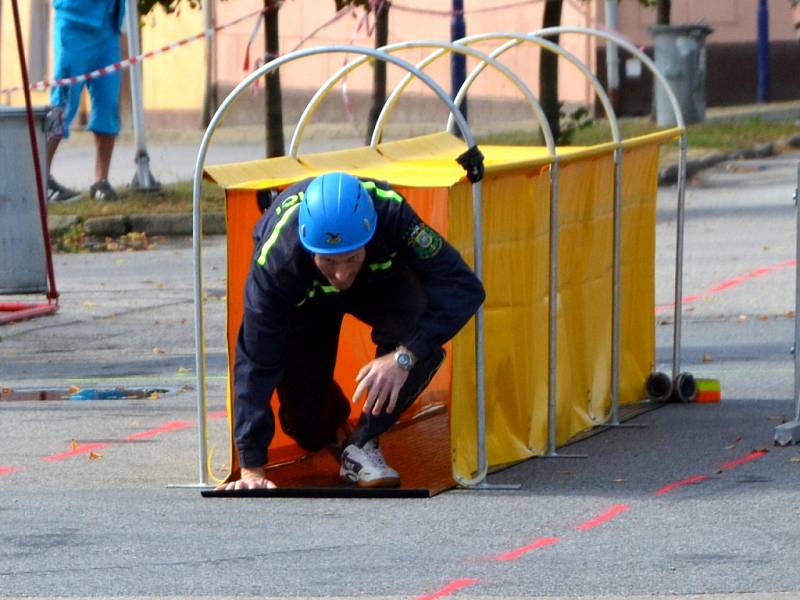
(340, 4)
(169, 6)
(571, 123)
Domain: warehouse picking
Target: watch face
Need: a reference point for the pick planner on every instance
(403, 359)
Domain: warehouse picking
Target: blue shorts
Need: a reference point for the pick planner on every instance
(78, 50)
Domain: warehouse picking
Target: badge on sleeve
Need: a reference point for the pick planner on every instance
(424, 241)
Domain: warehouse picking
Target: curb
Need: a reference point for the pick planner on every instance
(164, 224)
(669, 174)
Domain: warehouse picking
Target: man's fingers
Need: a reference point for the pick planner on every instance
(380, 399)
(363, 371)
(395, 394)
(359, 391)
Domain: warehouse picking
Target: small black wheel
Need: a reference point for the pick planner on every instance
(685, 388)
(658, 386)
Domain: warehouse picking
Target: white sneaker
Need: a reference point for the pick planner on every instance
(366, 467)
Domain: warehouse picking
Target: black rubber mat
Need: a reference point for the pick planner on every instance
(321, 492)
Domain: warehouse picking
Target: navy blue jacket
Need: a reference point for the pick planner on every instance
(283, 277)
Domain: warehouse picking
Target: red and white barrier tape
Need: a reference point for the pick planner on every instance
(124, 64)
(450, 13)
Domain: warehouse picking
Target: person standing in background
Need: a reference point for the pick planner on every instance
(86, 36)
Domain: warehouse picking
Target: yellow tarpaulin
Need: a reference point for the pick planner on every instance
(516, 192)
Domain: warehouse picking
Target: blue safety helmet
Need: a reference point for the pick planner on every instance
(336, 214)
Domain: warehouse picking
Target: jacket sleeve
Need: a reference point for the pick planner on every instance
(258, 365)
(453, 291)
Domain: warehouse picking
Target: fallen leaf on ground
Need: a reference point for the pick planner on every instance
(155, 396)
(94, 456)
(733, 445)
(73, 389)
(707, 357)
(763, 317)
(158, 350)
(73, 445)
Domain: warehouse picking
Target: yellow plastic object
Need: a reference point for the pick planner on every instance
(515, 206)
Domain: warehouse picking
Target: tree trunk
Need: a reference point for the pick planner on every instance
(378, 68)
(664, 8)
(274, 102)
(548, 69)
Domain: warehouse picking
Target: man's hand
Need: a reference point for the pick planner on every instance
(384, 379)
(251, 479)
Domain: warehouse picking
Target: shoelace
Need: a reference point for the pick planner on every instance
(374, 452)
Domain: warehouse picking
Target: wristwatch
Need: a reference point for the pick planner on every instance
(404, 358)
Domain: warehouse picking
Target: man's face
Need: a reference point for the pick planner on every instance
(341, 269)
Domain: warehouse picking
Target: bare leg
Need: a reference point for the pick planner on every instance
(104, 147)
(52, 146)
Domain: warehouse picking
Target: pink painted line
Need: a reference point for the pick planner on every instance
(745, 459)
(451, 587)
(7, 470)
(730, 283)
(82, 449)
(165, 428)
(614, 511)
(688, 481)
(514, 554)
(220, 414)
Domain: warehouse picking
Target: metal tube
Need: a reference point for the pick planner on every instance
(679, 222)
(612, 55)
(143, 179)
(617, 138)
(137, 110)
(391, 101)
(197, 253)
(377, 132)
(681, 124)
(458, 62)
(552, 325)
(480, 345)
(762, 53)
(797, 300)
(516, 39)
(616, 284)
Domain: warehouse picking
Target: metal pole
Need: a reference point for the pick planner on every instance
(143, 180)
(552, 309)
(480, 363)
(616, 285)
(797, 299)
(458, 62)
(209, 90)
(612, 53)
(679, 224)
(762, 92)
(789, 433)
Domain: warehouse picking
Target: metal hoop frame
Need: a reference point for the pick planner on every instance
(200, 363)
(461, 46)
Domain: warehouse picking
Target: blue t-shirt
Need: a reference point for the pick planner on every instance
(98, 14)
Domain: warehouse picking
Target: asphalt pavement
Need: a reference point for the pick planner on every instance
(697, 503)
